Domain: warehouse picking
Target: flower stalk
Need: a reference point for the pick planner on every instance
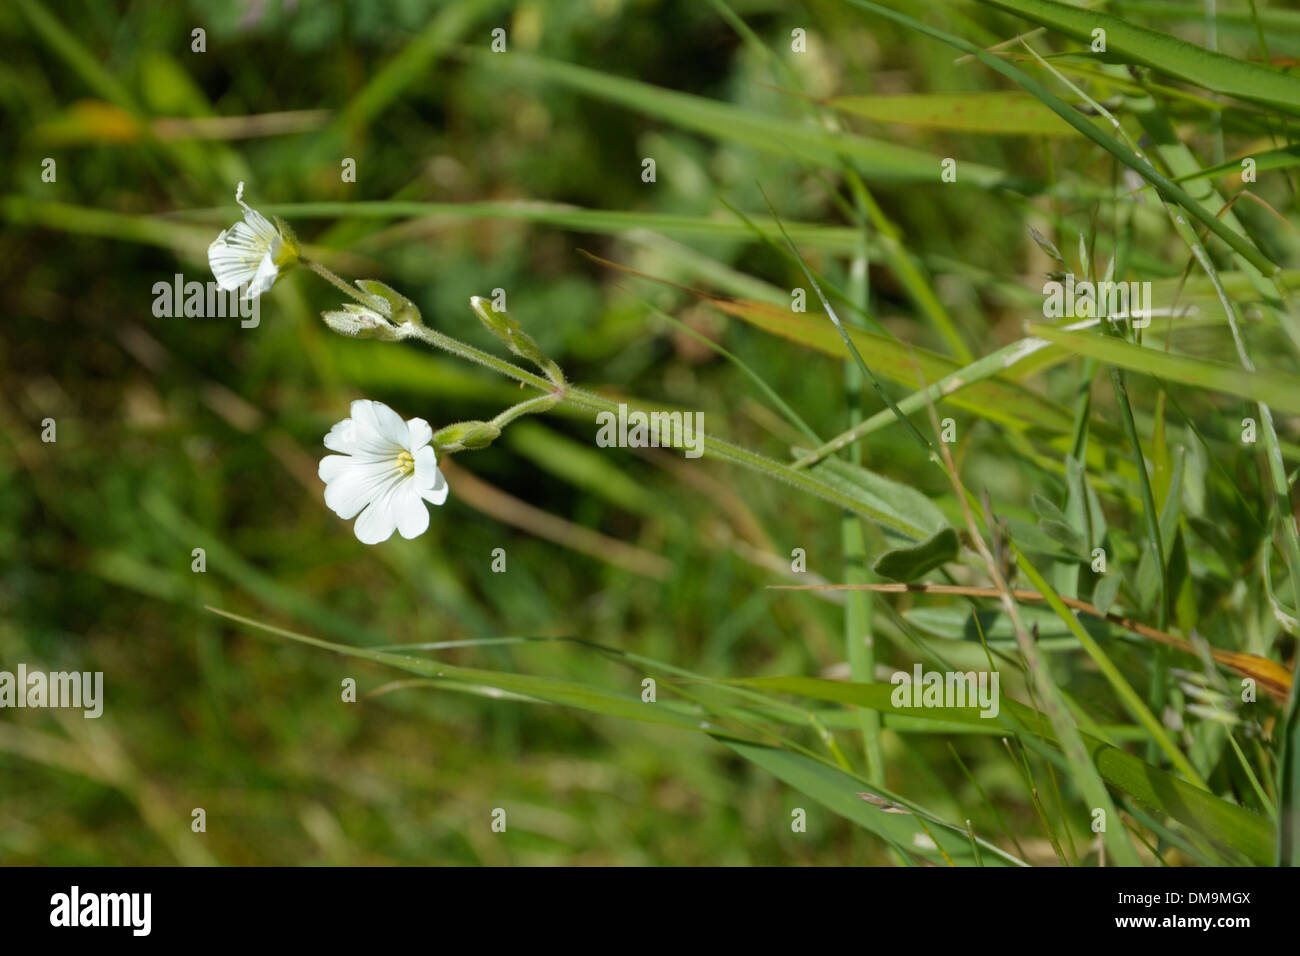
(334, 280)
(256, 251)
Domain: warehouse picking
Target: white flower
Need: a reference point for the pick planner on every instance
(253, 251)
(388, 468)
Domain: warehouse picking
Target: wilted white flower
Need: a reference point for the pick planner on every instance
(253, 251)
(387, 467)
(386, 314)
(362, 322)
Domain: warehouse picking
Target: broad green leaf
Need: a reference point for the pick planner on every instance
(956, 622)
(1034, 539)
(1104, 594)
(909, 564)
(1064, 535)
(904, 503)
(1047, 509)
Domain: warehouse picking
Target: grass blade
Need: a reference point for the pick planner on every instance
(1168, 54)
(1089, 129)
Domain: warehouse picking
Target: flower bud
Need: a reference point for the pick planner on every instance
(498, 323)
(472, 435)
(516, 339)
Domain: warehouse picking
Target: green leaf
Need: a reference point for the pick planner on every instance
(1004, 112)
(1246, 16)
(1032, 537)
(1064, 535)
(1165, 53)
(956, 622)
(1224, 823)
(1107, 588)
(1279, 391)
(910, 509)
(838, 792)
(909, 564)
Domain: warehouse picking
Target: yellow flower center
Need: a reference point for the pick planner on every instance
(405, 463)
(283, 255)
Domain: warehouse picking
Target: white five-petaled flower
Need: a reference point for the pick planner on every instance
(252, 252)
(387, 467)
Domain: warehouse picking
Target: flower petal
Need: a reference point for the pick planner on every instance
(378, 420)
(438, 493)
(411, 511)
(359, 436)
(342, 437)
(419, 434)
(264, 278)
(333, 467)
(232, 265)
(357, 482)
(426, 468)
(378, 522)
(347, 496)
(259, 224)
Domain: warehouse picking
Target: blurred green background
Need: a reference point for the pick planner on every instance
(183, 433)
